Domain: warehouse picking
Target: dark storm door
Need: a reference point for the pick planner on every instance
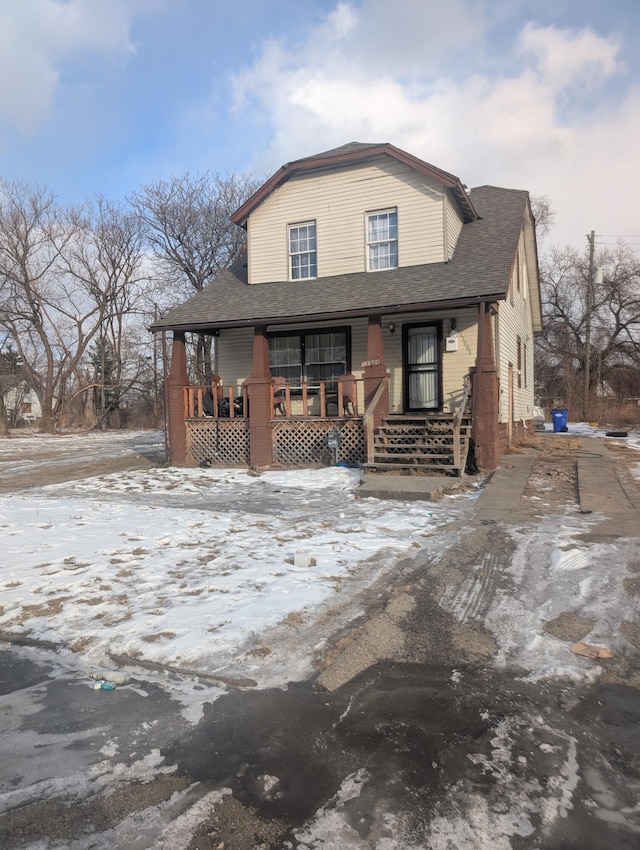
(422, 367)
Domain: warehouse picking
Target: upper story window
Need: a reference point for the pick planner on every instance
(382, 239)
(303, 259)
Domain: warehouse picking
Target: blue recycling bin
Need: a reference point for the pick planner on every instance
(559, 417)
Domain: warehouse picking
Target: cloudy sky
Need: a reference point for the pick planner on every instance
(99, 97)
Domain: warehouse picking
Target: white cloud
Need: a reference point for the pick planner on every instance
(400, 38)
(563, 58)
(549, 124)
(37, 37)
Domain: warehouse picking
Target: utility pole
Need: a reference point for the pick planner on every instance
(591, 238)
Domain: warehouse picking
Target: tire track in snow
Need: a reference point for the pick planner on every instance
(472, 599)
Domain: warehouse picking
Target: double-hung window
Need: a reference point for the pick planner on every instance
(382, 239)
(303, 258)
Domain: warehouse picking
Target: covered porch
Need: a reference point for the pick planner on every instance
(266, 420)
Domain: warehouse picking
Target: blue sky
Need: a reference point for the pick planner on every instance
(99, 96)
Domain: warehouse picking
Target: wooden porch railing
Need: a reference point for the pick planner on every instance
(291, 401)
(458, 460)
(368, 419)
(215, 401)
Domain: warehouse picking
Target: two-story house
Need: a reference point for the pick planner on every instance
(383, 313)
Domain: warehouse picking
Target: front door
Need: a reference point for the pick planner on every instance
(422, 383)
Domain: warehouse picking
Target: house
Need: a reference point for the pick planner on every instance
(383, 314)
(22, 405)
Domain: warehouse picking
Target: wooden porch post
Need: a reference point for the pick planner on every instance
(375, 370)
(486, 395)
(259, 393)
(177, 380)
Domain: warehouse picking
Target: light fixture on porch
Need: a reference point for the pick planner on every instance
(451, 342)
(392, 328)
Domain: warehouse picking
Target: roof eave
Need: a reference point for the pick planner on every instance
(424, 306)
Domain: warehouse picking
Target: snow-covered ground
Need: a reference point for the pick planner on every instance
(219, 572)
(230, 574)
(223, 572)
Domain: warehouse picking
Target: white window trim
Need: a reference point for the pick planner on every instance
(290, 254)
(368, 244)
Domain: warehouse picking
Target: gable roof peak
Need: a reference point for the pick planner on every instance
(350, 154)
(349, 147)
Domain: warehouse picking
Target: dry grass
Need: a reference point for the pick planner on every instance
(293, 619)
(158, 636)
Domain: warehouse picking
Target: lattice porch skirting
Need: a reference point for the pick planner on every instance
(296, 442)
(304, 442)
(223, 441)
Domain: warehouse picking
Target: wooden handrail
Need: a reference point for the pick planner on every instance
(466, 395)
(460, 456)
(368, 417)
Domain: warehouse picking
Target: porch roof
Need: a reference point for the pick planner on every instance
(479, 271)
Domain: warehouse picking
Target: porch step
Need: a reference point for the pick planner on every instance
(418, 448)
(411, 468)
(411, 430)
(411, 453)
(420, 444)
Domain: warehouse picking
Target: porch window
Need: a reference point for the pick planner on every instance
(382, 239)
(303, 258)
(311, 356)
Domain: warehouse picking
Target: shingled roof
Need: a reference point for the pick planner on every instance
(479, 270)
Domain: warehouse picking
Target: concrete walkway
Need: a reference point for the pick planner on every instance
(604, 488)
(410, 488)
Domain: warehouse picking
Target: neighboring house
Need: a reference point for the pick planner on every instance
(22, 405)
(380, 305)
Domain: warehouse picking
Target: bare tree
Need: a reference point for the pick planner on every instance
(32, 236)
(611, 305)
(106, 259)
(187, 224)
(4, 425)
(543, 214)
(4, 369)
(67, 277)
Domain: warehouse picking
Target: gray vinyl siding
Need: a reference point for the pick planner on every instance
(338, 202)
